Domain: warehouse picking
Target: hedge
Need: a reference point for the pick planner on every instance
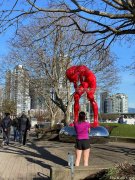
(122, 130)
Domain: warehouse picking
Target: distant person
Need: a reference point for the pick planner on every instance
(121, 120)
(23, 126)
(82, 145)
(6, 125)
(15, 128)
(37, 130)
(0, 125)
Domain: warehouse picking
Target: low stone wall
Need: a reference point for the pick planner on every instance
(81, 172)
(121, 139)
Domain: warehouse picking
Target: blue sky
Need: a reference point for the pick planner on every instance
(124, 52)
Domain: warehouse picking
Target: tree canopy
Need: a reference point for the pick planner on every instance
(107, 19)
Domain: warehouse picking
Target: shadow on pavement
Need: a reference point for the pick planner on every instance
(41, 176)
(35, 156)
(125, 150)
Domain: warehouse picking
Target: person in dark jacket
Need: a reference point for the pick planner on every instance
(23, 126)
(15, 128)
(6, 124)
(121, 120)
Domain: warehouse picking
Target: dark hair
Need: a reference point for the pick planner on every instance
(7, 114)
(82, 116)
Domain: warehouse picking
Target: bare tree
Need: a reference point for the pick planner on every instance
(46, 67)
(107, 19)
(9, 106)
(131, 67)
(47, 52)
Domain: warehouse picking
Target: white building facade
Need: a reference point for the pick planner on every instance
(117, 103)
(19, 89)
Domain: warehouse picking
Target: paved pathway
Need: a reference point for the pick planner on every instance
(33, 161)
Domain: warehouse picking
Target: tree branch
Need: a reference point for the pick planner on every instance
(113, 5)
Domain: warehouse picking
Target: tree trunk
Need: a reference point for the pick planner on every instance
(67, 116)
(53, 115)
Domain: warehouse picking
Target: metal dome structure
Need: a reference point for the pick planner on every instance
(97, 134)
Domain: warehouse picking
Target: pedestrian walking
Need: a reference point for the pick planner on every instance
(23, 126)
(0, 125)
(82, 145)
(6, 125)
(15, 128)
(37, 130)
(121, 119)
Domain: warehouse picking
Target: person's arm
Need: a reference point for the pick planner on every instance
(13, 122)
(2, 124)
(10, 123)
(28, 124)
(89, 128)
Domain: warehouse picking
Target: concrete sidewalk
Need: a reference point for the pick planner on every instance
(34, 161)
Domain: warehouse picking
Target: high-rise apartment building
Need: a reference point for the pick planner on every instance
(120, 103)
(17, 88)
(37, 90)
(117, 103)
(103, 102)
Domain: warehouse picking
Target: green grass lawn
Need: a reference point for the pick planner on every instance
(123, 130)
